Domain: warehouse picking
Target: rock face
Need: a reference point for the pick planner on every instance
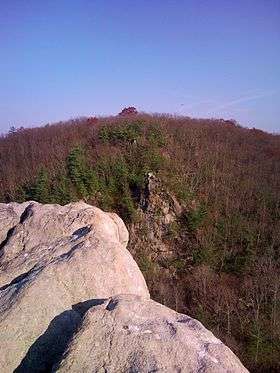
(61, 272)
(53, 257)
(130, 334)
(158, 210)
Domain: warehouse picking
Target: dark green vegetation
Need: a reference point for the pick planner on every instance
(223, 263)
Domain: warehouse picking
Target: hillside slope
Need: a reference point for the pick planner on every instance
(201, 199)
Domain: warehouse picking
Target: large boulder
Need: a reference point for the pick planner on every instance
(51, 258)
(62, 269)
(130, 334)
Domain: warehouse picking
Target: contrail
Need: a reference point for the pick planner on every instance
(245, 98)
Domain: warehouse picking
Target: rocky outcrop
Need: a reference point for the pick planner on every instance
(53, 257)
(130, 334)
(158, 209)
(62, 269)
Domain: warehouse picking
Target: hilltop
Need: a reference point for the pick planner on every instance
(201, 200)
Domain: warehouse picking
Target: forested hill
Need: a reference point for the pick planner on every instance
(201, 199)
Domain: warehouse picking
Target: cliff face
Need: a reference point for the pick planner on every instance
(62, 272)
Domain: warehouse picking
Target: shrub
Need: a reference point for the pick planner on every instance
(179, 264)
(145, 263)
(203, 255)
(194, 218)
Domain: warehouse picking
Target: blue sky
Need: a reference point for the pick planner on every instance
(66, 58)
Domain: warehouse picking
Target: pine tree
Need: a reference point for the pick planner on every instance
(40, 191)
(80, 174)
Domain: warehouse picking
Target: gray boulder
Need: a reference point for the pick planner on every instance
(130, 334)
(53, 257)
(61, 270)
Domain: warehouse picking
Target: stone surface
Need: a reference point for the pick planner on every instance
(9, 217)
(61, 270)
(158, 210)
(53, 257)
(130, 334)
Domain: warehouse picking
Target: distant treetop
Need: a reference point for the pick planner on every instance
(128, 111)
(92, 120)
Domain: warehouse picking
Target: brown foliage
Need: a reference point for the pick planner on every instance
(225, 263)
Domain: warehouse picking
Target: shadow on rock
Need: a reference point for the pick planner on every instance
(49, 348)
(83, 307)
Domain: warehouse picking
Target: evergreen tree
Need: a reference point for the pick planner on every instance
(40, 191)
(80, 174)
(61, 192)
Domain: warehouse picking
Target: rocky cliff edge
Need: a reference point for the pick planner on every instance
(73, 299)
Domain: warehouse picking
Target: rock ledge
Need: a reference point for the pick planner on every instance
(62, 269)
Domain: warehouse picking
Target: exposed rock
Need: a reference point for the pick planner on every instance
(130, 334)
(53, 257)
(10, 215)
(158, 210)
(62, 269)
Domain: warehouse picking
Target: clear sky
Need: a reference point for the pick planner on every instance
(69, 58)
